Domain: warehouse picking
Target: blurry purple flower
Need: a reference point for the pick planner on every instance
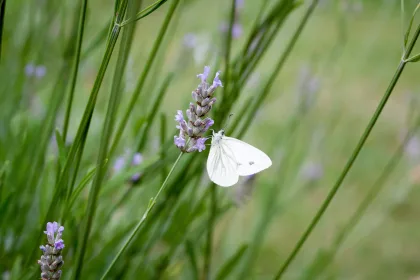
(308, 87)
(236, 30)
(137, 159)
(119, 164)
(135, 178)
(33, 70)
(190, 40)
(312, 171)
(412, 148)
(29, 69)
(239, 4)
(40, 71)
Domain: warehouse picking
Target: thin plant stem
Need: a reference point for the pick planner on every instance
(76, 63)
(140, 223)
(228, 46)
(352, 158)
(210, 228)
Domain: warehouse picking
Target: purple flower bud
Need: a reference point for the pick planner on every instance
(239, 4)
(179, 141)
(59, 244)
(137, 159)
(216, 81)
(179, 117)
(205, 74)
(200, 144)
(42, 247)
(208, 122)
(135, 178)
(196, 96)
(29, 69)
(236, 30)
(190, 40)
(189, 114)
(119, 164)
(40, 71)
(184, 126)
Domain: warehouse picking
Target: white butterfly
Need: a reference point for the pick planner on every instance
(230, 158)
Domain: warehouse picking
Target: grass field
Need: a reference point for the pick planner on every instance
(304, 96)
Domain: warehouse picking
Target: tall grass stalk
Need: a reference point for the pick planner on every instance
(102, 164)
(352, 158)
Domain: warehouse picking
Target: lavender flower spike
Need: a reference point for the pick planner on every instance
(51, 260)
(192, 130)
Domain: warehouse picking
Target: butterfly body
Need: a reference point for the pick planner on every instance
(230, 158)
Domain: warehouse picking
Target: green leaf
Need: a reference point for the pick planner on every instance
(230, 264)
(145, 12)
(61, 147)
(407, 33)
(81, 186)
(414, 58)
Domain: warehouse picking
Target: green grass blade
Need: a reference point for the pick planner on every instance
(231, 263)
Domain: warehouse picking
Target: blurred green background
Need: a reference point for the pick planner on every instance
(309, 124)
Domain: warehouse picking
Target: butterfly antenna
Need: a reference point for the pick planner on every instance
(230, 115)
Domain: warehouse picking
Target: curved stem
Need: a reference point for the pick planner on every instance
(351, 160)
(140, 223)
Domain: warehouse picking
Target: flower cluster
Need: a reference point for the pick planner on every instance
(51, 261)
(193, 129)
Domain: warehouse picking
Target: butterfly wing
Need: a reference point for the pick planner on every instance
(222, 166)
(249, 159)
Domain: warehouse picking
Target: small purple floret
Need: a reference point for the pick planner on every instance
(209, 123)
(217, 82)
(59, 244)
(179, 117)
(137, 159)
(179, 142)
(200, 144)
(236, 30)
(205, 74)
